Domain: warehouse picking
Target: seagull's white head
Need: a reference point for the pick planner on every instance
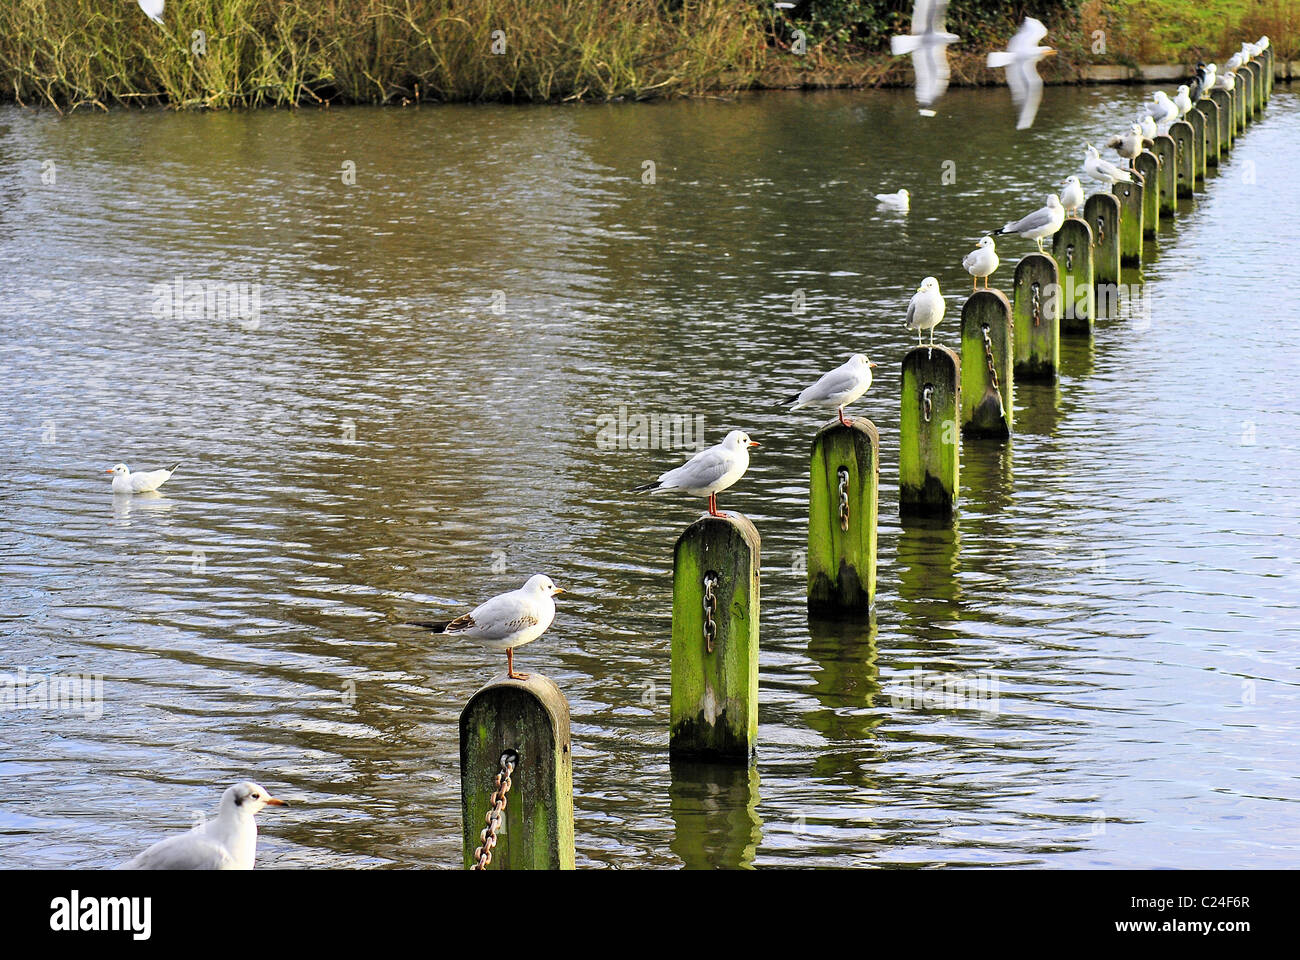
(1071, 181)
(739, 439)
(1136, 128)
(1093, 154)
(1161, 97)
(1183, 89)
(542, 584)
(985, 242)
(904, 194)
(1054, 201)
(121, 470)
(247, 799)
(860, 359)
(928, 285)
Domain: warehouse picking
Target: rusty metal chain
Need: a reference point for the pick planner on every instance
(844, 498)
(993, 370)
(710, 610)
(926, 402)
(496, 812)
(1037, 304)
(1101, 229)
(1069, 256)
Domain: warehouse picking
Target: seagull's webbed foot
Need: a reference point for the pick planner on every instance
(847, 423)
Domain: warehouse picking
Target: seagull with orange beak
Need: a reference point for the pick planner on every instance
(838, 388)
(709, 472)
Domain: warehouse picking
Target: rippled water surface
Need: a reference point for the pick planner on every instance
(383, 444)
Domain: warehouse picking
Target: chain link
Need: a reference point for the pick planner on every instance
(1101, 229)
(1069, 256)
(993, 370)
(496, 812)
(925, 401)
(1037, 304)
(844, 498)
(710, 610)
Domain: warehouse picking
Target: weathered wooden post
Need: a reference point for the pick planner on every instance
(1072, 251)
(1149, 169)
(1246, 79)
(1256, 87)
(1213, 148)
(928, 455)
(1182, 133)
(1036, 317)
(1223, 104)
(714, 711)
(1130, 222)
(517, 730)
(1196, 120)
(1269, 67)
(1102, 213)
(843, 499)
(987, 382)
(1166, 151)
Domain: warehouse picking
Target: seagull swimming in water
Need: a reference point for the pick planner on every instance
(124, 481)
(228, 842)
(981, 262)
(506, 621)
(928, 44)
(1021, 62)
(900, 201)
(1042, 223)
(838, 388)
(709, 472)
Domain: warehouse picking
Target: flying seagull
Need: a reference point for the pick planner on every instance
(1021, 61)
(153, 9)
(928, 44)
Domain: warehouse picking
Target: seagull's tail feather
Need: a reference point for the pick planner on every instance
(175, 466)
(437, 626)
(907, 43)
(782, 403)
(646, 486)
(1000, 230)
(1001, 59)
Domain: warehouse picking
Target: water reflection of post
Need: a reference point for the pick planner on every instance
(1041, 412)
(845, 684)
(987, 464)
(1078, 356)
(927, 559)
(715, 814)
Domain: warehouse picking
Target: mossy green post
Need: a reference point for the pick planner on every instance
(986, 402)
(1269, 76)
(1183, 134)
(530, 717)
(1213, 142)
(1102, 213)
(1223, 105)
(1167, 153)
(1036, 318)
(929, 456)
(1148, 167)
(842, 551)
(1072, 251)
(1196, 120)
(1247, 111)
(1256, 87)
(714, 712)
(1130, 222)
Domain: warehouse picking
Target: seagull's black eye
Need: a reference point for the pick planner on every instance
(257, 796)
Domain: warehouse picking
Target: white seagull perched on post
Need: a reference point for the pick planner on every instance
(1147, 124)
(1183, 99)
(153, 9)
(1103, 171)
(506, 621)
(928, 45)
(124, 481)
(1227, 80)
(1072, 195)
(1042, 223)
(838, 388)
(981, 262)
(227, 843)
(900, 201)
(1129, 145)
(1164, 111)
(1021, 61)
(709, 472)
(925, 309)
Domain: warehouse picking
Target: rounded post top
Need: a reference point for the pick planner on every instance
(731, 524)
(860, 425)
(539, 687)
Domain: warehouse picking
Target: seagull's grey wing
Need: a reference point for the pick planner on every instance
(922, 14)
(831, 384)
(701, 470)
(1033, 91)
(1016, 81)
(937, 16)
(1035, 221)
(911, 313)
(970, 260)
(189, 851)
(926, 77)
(502, 615)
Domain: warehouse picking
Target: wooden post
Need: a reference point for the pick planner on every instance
(714, 713)
(1268, 72)
(531, 718)
(1102, 213)
(1196, 120)
(1149, 168)
(1130, 222)
(843, 499)
(1256, 87)
(1182, 133)
(1167, 152)
(1072, 251)
(928, 455)
(1213, 144)
(1036, 317)
(1223, 104)
(1246, 79)
(986, 397)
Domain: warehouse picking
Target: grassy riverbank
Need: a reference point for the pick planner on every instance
(233, 53)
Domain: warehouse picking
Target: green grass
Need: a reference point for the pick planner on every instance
(1177, 31)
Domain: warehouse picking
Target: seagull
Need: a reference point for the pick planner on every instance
(900, 201)
(1147, 125)
(709, 472)
(1072, 195)
(838, 388)
(1021, 60)
(1043, 222)
(1103, 171)
(1129, 145)
(506, 621)
(928, 45)
(1226, 80)
(1207, 81)
(1164, 110)
(227, 843)
(124, 481)
(1182, 100)
(153, 9)
(1234, 62)
(981, 262)
(925, 309)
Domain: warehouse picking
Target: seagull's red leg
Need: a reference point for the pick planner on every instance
(847, 423)
(510, 666)
(713, 506)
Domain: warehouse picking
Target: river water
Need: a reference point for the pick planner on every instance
(399, 415)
